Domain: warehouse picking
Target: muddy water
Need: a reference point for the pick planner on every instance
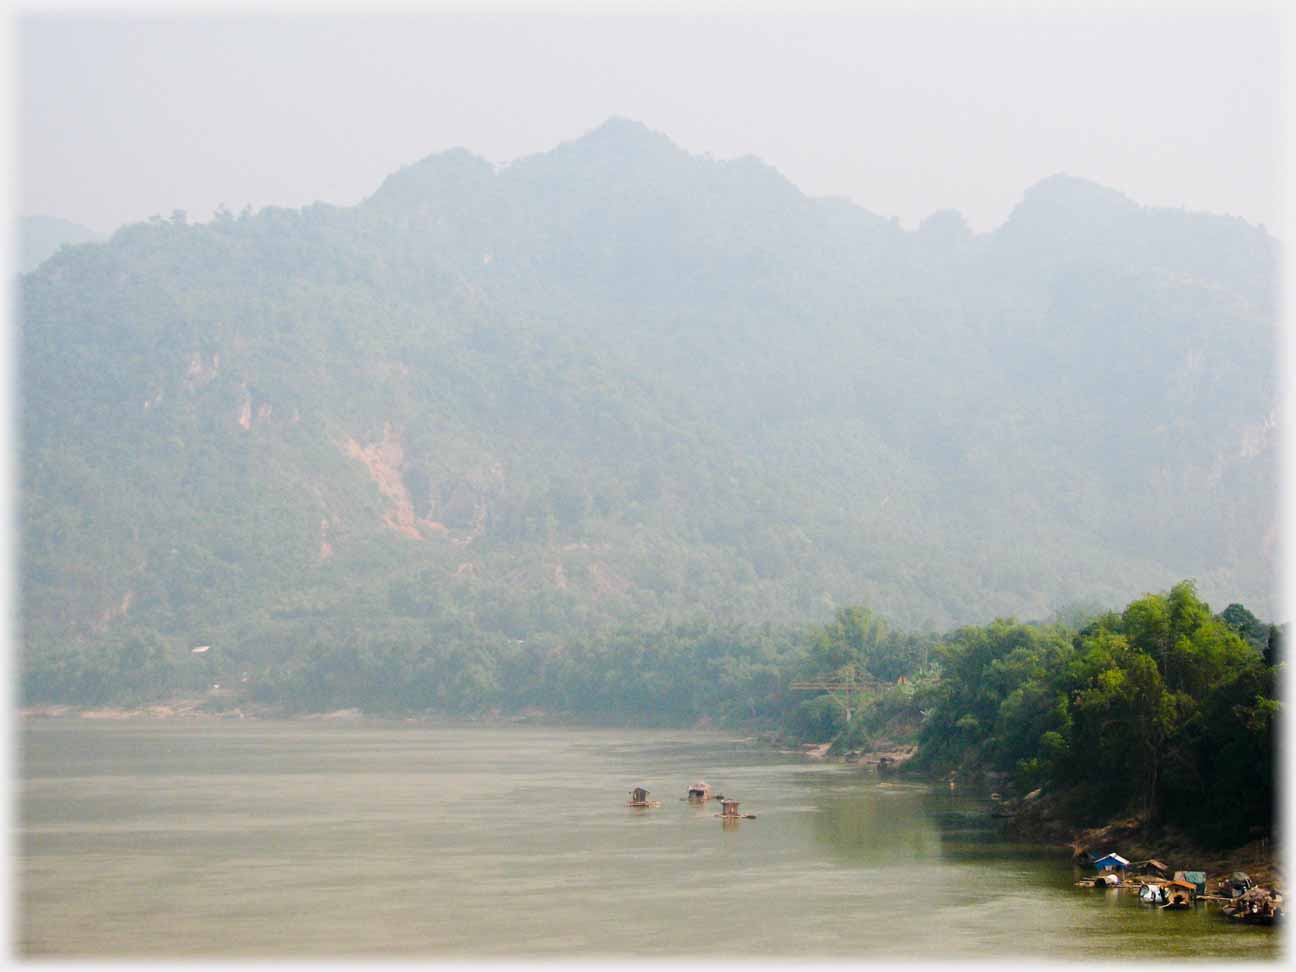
(191, 839)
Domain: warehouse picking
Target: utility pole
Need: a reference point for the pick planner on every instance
(843, 687)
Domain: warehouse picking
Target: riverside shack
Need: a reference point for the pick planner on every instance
(1152, 868)
(1111, 862)
(1196, 878)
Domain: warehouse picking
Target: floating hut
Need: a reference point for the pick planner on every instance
(699, 791)
(639, 798)
(729, 811)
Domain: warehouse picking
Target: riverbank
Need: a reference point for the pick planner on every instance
(173, 709)
(1041, 819)
(214, 706)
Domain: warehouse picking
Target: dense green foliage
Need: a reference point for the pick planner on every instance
(1162, 710)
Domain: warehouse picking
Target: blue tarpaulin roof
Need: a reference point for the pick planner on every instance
(1110, 860)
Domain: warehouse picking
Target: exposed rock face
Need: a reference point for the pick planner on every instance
(385, 460)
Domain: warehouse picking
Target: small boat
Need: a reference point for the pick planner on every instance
(1235, 885)
(699, 791)
(1258, 906)
(1101, 881)
(1179, 895)
(1153, 894)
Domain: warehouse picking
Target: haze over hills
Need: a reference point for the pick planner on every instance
(616, 382)
(39, 238)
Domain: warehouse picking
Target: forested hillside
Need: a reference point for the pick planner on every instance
(492, 414)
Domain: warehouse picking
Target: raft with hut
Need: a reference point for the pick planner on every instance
(699, 792)
(639, 798)
(729, 811)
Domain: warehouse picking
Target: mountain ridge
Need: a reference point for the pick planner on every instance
(499, 402)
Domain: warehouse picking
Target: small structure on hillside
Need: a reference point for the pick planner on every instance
(1151, 868)
(1111, 862)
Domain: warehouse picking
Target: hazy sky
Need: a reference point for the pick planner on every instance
(123, 117)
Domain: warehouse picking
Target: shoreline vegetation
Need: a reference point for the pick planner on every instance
(1151, 732)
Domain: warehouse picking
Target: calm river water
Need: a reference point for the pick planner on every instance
(187, 839)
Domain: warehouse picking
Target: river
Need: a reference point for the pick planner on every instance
(190, 839)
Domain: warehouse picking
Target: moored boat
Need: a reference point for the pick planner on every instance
(1179, 895)
(1258, 906)
(1152, 893)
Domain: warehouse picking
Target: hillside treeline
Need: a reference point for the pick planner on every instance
(1162, 709)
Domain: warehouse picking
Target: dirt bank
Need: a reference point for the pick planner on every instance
(1134, 838)
(174, 709)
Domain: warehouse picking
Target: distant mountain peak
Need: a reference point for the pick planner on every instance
(453, 171)
(947, 225)
(622, 139)
(1064, 210)
(620, 128)
(1065, 190)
